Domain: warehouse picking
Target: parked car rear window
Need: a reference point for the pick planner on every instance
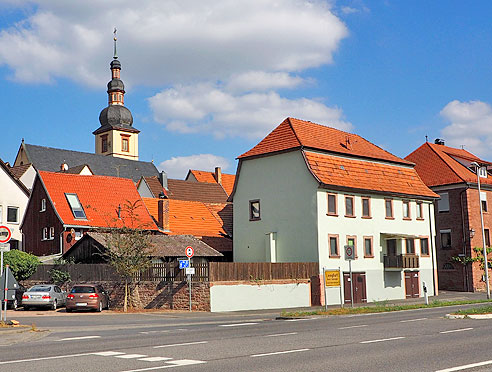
(83, 290)
(39, 288)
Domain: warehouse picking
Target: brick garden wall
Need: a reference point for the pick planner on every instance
(153, 295)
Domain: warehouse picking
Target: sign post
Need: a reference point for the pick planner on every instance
(6, 293)
(5, 235)
(332, 279)
(350, 255)
(189, 253)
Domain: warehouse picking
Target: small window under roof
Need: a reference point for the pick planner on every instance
(77, 210)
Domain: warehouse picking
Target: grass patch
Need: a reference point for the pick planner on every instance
(487, 309)
(383, 307)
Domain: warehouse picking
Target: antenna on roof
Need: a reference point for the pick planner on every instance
(462, 147)
(426, 139)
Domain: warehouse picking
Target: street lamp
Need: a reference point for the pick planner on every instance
(486, 264)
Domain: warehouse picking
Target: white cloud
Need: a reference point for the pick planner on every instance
(164, 42)
(262, 81)
(177, 167)
(207, 108)
(471, 126)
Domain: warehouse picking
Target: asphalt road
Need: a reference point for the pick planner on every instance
(418, 340)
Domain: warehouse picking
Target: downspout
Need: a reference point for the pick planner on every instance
(61, 240)
(432, 237)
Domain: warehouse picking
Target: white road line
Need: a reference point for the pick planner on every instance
(108, 353)
(183, 344)
(78, 338)
(155, 359)
(45, 358)
(298, 320)
(279, 352)
(412, 320)
(176, 363)
(236, 324)
(354, 326)
(466, 366)
(381, 340)
(281, 334)
(457, 330)
(131, 356)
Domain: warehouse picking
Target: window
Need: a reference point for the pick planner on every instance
(487, 237)
(424, 246)
(482, 172)
(352, 240)
(368, 247)
(483, 200)
(125, 143)
(443, 202)
(44, 235)
(448, 266)
(332, 204)
(104, 143)
(366, 207)
(13, 214)
(406, 209)
(445, 239)
(333, 241)
(420, 211)
(43, 205)
(254, 210)
(77, 210)
(349, 206)
(410, 246)
(388, 203)
(52, 233)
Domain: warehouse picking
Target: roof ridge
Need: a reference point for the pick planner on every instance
(93, 175)
(445, 161)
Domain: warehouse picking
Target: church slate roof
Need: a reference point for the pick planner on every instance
(50, 159)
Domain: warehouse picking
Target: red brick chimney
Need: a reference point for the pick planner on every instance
(218, 175)
(163, 214)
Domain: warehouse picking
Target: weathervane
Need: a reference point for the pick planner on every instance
(115, 56)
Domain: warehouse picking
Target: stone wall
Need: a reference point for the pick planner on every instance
(153, 295)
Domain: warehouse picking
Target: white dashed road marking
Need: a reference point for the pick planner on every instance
(176, 363)
(78, 338)
(155, 359)
(183, 344)
(466, 366)
(457, 330)
(108, 353)
(412, 320)
(279, 352)
(354, 326)
(236, 325)
(131, 356)
(281, 334)
(382, 340)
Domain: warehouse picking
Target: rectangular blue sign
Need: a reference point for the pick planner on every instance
(183, 264)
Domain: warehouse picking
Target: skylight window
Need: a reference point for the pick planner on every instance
(77, 210)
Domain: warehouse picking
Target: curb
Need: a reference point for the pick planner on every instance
(471, 316)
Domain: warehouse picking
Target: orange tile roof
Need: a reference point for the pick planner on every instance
(190, 217)
(294, 133)
(366, 175)
(436, 165)
(99, 196)
(209, 177)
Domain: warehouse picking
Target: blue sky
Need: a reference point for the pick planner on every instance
(205, 82)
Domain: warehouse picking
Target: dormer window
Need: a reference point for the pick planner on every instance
(77, 210)
(482, 172)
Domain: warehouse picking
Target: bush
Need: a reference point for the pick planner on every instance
(22, 264)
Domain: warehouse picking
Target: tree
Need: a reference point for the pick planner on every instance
(22, 264)
(128, 248)
(480, 258)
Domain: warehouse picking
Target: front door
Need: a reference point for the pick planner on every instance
(359, 288)
(412, 288)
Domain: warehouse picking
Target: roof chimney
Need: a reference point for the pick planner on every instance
(163, 214)
(439, 141)
(63, 167)
(218, 175)
(163, 179)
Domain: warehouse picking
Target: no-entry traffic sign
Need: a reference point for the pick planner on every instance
(189, 251)
(5, 234)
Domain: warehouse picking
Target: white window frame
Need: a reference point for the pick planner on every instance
(16, 215)
(43, 205)
(52, 233)
(44, 235)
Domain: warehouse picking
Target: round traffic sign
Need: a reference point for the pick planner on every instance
(5, 234)
(189, 251)
(348, 251)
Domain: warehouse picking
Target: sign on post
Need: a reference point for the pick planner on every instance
(189, 251)
(332, 278)
(190, 271)
(183, 264)
(349, 252)
(5, 234)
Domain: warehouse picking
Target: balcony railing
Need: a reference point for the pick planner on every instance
(402, 261)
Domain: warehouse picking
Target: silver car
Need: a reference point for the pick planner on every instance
(44, 295)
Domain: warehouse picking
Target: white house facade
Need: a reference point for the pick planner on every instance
(306, 191)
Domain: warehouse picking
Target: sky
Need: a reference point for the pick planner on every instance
(207, 80)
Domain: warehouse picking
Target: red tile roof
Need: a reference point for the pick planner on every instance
(294, 133)
(99, 196)
(209, 177)
(196, 191)
(436, 165)
(366, 175)
(154, 185)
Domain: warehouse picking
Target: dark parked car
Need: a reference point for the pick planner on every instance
(87, 296)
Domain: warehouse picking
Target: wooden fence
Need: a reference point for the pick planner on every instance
(170, 272)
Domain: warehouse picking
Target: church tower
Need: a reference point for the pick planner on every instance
(116, 136)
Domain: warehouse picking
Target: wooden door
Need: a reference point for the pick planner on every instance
(412, 284)
(359, 288)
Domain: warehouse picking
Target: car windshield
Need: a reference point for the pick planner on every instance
(39, 288)
(83, 290)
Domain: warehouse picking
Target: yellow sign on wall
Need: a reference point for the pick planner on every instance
(332, 278)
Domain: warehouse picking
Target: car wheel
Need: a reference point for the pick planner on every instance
(68, 310)
(100, 307)
(53, 306)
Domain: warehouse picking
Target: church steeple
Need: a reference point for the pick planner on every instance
(116, 136)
